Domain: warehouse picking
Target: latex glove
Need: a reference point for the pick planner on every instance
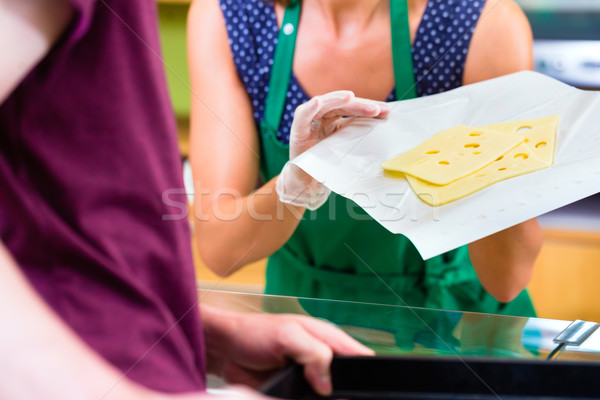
(315, 120)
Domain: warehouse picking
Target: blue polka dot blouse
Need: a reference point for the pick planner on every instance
(439, 50)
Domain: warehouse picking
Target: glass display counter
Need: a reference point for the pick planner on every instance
(426, 353)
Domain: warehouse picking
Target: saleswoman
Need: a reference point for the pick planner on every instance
(253, 62)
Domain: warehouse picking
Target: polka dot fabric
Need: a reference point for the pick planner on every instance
(442, 42)
(439, 50)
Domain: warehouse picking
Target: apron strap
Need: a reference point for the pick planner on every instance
(284, 58)
(404, 75)
(282, 66)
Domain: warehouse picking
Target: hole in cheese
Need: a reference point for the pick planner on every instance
(499, 158)
(476, 152)
(522, 156)
(422, 161)
(475, 133)
(472, 145)
(432, 152)
(523, 128)
(444, 163)
(502, 169)
(540, 144)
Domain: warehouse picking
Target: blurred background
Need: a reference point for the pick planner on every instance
(566, 279)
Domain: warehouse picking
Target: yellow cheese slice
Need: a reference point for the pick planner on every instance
(539, 134)
(453, 154)
(518, 161)
(522, 125)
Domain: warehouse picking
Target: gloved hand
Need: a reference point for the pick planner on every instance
(314, 121)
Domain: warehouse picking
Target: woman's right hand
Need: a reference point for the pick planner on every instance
(315, 120)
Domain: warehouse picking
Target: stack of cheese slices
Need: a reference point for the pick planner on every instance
(457, 162)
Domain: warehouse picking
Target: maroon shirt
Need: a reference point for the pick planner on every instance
(87, 149)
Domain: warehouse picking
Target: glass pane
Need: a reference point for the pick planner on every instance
(419, 331)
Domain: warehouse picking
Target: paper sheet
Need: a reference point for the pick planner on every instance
(349, 161)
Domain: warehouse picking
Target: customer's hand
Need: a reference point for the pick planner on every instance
(315, 120)
(248, 348)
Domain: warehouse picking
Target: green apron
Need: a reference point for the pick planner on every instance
(338, 251)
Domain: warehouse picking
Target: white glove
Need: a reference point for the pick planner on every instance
(296, 187)
(314, 121)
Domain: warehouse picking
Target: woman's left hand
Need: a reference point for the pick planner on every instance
(324, 115)
(315, 120)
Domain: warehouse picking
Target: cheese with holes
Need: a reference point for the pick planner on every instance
(453, 154)
(518, 161)
(539, 134)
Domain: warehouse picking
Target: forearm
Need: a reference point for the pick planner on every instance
(234, 230)
(28, 28)
(41, 356)
(504, 261)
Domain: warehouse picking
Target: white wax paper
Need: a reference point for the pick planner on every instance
(349, 161)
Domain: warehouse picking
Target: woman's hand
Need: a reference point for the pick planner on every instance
(324, 115)
(315, 120)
